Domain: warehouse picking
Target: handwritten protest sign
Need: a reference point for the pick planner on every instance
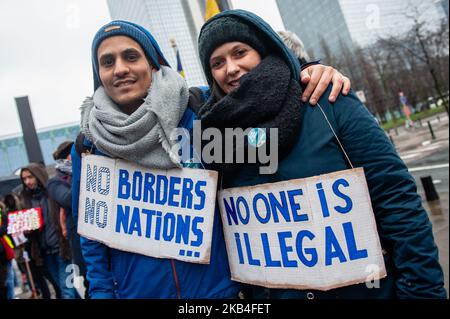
(25, 220)
(158, 213)
(313, 233)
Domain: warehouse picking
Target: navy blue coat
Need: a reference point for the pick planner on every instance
(412, 264)
(59, 188)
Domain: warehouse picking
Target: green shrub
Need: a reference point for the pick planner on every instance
(415, 117)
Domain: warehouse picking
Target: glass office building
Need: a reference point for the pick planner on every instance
(167, 20)
(13, 154)
(344, 22)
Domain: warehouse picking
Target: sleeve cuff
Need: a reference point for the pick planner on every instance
(307, 64)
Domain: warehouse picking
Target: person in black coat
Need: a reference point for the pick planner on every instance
(60, 190)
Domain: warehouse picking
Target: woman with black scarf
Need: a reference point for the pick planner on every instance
(254, 81)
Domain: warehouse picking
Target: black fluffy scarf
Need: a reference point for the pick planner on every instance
(267, 98)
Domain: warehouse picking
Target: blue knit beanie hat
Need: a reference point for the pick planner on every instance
(134, 31)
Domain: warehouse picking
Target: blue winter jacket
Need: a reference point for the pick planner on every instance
(117, 274)
(412, 263)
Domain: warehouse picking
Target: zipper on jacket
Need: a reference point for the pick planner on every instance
(175, 276)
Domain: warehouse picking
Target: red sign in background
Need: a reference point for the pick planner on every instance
(25, 220)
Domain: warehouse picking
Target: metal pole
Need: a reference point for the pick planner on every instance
(224, 5)
(431, 130)
(173, 44)
(30, 137)
(392, 140)
(428, 186)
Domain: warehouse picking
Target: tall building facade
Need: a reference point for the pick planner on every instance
(315, 22)
(348, 22)
(174, 19)
(444, 5)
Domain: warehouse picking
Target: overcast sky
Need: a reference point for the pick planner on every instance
(266, 9)
(45, 54)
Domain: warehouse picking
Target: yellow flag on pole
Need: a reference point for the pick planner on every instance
(211, 9)
(177, 54)
(179, 66)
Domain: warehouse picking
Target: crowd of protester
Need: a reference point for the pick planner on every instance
(46, 262)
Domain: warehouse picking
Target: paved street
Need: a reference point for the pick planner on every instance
(427, 157)
(416, 146)
(438, 211)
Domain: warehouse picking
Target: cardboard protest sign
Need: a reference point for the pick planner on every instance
(19, 239)
(158, 213)
(25, 220)
(313, 233)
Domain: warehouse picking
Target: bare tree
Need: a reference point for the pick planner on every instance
(328, 57)
(428, 47)
(416, 62)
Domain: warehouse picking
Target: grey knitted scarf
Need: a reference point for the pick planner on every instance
(144, 136)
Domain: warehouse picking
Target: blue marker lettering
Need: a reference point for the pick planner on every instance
(137, 186)
(348, 200)
(124, 185)
(310, 251)
(169, 226)
(323, 200)
(201, 194)
(282, 207)
(286, 249)
(295, 206)
(267, 255)
(251, 261)
(123, 215)
(148, 225)
(332, 247)
(197, 231)
(353, 251)
(183, 228)
(257, 197)
(239, 248)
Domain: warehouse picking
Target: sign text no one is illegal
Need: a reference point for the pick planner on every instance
(158, 213)
(313, 233)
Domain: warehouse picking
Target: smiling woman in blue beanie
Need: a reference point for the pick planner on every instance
(255, 85)
(138, 101)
